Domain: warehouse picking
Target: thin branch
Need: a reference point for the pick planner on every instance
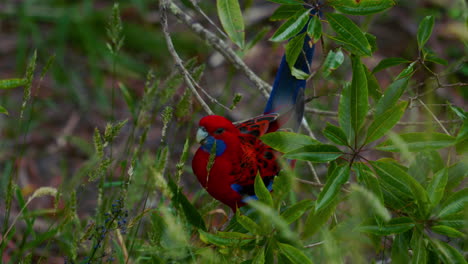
(420, 123)
(314, 244)
(315, 184)
(221, 46)
(199, 10)
(434, 116)
(320, 112)
(178, 61)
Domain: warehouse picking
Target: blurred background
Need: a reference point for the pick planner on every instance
(86, 87)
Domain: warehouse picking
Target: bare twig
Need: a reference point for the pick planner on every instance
(178, 61)
(199, 10)
(434, 116)
(315, 184)
(314, 244)
(420, 123)
(321, 112)
(220, 46)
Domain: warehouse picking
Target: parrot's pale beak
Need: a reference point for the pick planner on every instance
(202, 134)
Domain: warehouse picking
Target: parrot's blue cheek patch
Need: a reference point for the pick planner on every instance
(208, 145)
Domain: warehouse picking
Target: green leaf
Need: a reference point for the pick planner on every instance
(292, 26)
(288, 2)
(229, 239)
(418, 141)
(385, 121)
(316, 220)
(399, 179)
(407, 72)
(366, 176)
(314, 28)
(391, 95)
(259, 257)
(344, 112)
(287, 141)
(299, 74)
(294, 254)
(296, 210)
(425, 31)
(349, 33)
(454, 204)
(419, 248)
(332, 61)
(389, 62)
(262, 192)
(332, 187)
(230, 15)
(3, 110)
(447, 253)
(447, 231)
(282, 185)
(432, 57)
(285, 12)
(315, 153)
(372, 41)
(436, 186)
(12, 83)
(359, 97)
(394, 226)
(462, 138)
(294, 49)
(335, 134)
(400, 249)
(178, 198)
(457, 221)
(362, 7)
(373, 85)
(249, 224)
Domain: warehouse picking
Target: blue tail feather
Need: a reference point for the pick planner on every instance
(288, 91)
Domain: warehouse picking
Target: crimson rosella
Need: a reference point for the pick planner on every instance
(240, 154)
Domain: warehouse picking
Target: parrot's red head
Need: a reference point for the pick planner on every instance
(215, 126)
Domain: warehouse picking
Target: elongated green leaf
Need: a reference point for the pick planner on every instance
(288, 2)
(400, 249)
(407, 72)
(332, 61)
(3, 110)
(344, 113)
(436, 186)
(294, 254)
(294, 49)
(287, 141)
(349, 33)
(12, 83)
(447, 231)
(425, 30)
(399, 179)
(316, 220)
(292, 26)
(457, 221)
(447, 253)
(391, 95)
(335, 134)
(193, 216)
(462, 138)
(296, 210)
(282, 185)
(230, 239)
(314, 29)
(419, 248)
(285, 12)
(249, 224)
(339, 176)
(454, 204)
(419, 141)
(389, 62)
(362, 7)
(385, 121)
(359, 95)
(373, 85)
(315, 153)
(230, 14)
(262, 192)
(394, 226)
(366, 176)
(259, 257)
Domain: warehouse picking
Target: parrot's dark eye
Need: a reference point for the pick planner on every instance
(219, 131)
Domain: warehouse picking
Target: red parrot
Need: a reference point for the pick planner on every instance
(240, 154)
